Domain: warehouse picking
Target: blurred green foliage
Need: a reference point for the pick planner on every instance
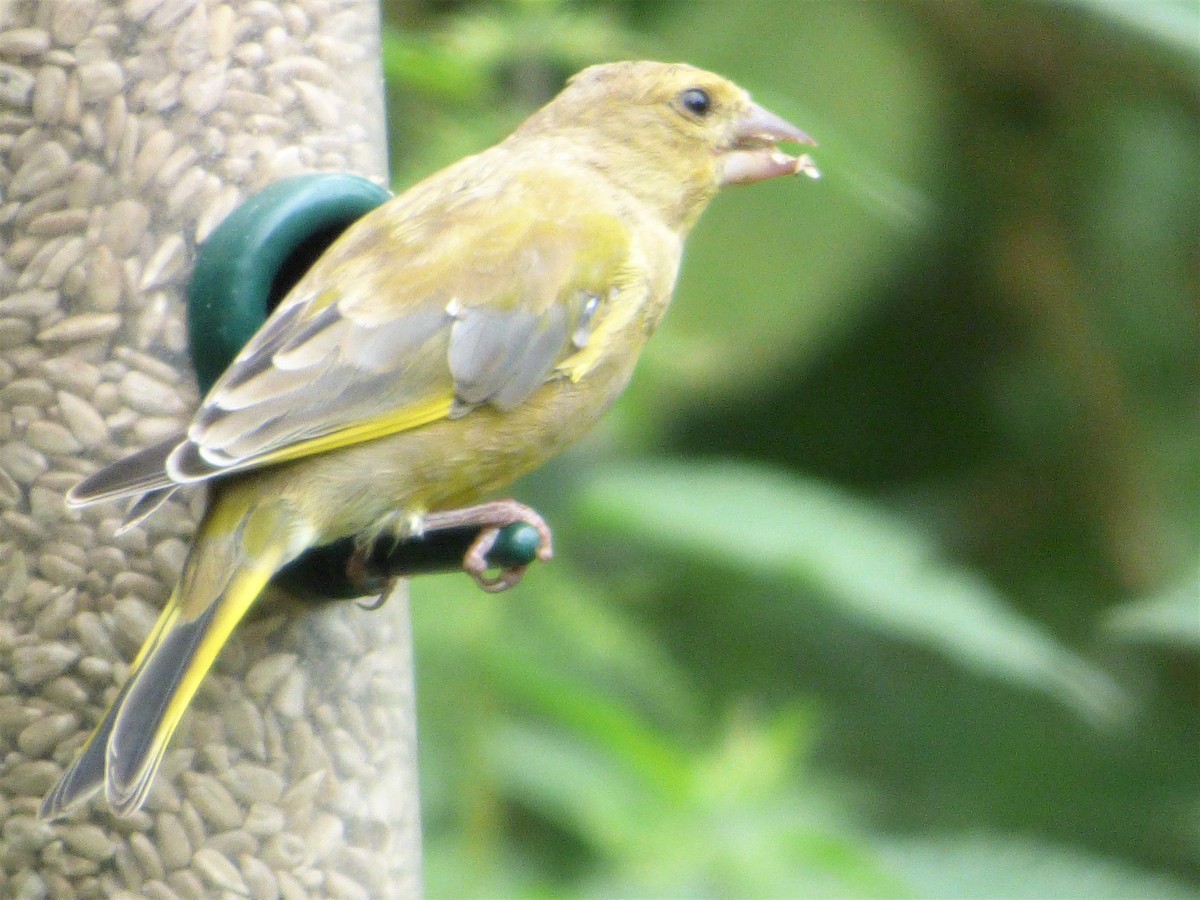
(884, 577)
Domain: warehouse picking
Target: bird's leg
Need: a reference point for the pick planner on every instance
(395, 527)
(491, 517)
(368, 565)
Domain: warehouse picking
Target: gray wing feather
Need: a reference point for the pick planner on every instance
(335, 372)
(501, 357)
(528, 370)
(138, 473)
(482, 345)
(329, 373)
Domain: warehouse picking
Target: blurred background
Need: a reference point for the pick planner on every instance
(883, 579)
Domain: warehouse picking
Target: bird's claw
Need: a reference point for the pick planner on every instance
(494, 516)
(489, 518)
(372, 605)
(357, 574)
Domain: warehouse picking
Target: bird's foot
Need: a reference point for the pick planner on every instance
(492, 517)
(360, 572)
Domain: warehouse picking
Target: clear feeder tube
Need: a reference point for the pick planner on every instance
(128, 130)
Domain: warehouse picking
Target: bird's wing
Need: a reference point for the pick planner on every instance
(415, 315)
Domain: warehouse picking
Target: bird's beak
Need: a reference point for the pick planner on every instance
(753, 156)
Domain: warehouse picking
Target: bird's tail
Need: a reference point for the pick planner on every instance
(241, 544)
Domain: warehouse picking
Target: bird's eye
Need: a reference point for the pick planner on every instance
(696, 101)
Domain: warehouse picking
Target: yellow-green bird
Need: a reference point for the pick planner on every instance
(448, 342)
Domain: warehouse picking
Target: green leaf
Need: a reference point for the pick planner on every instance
(869, 563)
(1171, 618)
(421, 64)
(1166, 27)
(746, 825)
(982, 868)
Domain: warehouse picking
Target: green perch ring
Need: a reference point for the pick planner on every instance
(245, 267)
(258, 253)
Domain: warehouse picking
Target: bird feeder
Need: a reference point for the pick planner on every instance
(129, 132)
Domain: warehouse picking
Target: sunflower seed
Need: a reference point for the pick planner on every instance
(81, 328)
(71, 19)
(290, 887)
(16, 86)
(52, 438)
(156, 149)
(86, 425)
(146, 854)
(23, 42)
(149, 396)
(268, 672)
(157, 890)
(127, 868)
(26, 390)
(218, 871)
(172, 841)
(14, 332)
(339, 887)
(27, 834)
(100, 80)
(49, 94)
(186, 190)
(63, 221)
(89, 841)
(187, 884)
(32, 666)
(46, 167)
(67, 254)
(264, 820)
(254, 784)
(174, 163)
(284, 851)
(10, 491)
(260, 880)
(202, 90)
(22, 463)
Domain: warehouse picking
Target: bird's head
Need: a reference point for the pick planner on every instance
(671, 133)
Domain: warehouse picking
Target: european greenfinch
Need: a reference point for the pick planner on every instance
(448, 342)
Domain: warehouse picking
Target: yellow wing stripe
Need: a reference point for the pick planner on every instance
(232, 606)
(126, 791)
(607, 331)
(166, 620)
(391, 422)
